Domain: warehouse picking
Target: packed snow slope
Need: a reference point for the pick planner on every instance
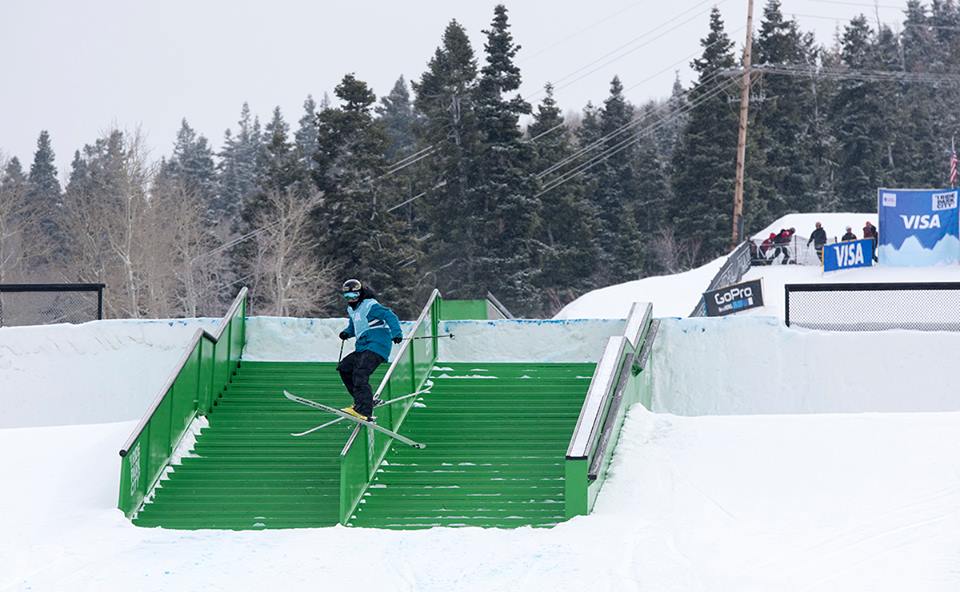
(706, 504)
(94, 372)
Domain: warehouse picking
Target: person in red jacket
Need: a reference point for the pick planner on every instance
(765, 248)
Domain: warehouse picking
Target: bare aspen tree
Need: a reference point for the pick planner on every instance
(674, 255)
(288, 279)
(14, 221)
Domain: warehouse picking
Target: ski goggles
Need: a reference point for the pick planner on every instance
(351, 295)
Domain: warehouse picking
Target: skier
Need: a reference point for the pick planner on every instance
(374, 326)
(818, 238)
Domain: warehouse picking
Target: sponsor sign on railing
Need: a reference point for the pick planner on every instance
(734, 268)
(734, 298)
(848, 255)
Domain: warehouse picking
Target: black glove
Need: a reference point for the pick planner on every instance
(397, 339)
(344, 335)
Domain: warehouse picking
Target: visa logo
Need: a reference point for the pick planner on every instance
(849, 254)
(918, 222)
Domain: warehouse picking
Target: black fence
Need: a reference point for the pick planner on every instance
(45, 304)
(930, 306)
(736, 265)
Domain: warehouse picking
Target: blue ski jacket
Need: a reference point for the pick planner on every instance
(374, 326)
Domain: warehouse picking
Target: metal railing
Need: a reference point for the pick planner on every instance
(41, 304)
(204, 369)
(604, 407)
(921, 306)
(361, 456)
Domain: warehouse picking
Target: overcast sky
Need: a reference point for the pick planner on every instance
(80, 68)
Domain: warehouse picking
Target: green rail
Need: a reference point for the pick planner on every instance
(617, 383)
(366, 448)
(207, 365)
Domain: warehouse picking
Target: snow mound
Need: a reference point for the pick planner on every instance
(756, 365)
(672, 295)
(102, 371)
(834, 223)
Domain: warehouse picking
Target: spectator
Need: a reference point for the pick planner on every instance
(765, 248)
(818, 238)
(782, 241)
(849, 236)
(870, 231)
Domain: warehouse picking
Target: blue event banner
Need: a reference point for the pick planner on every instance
(918, 227)
(848, 255)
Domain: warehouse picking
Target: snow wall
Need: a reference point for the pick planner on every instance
(102, 371)
(756, 365)
(580, 340)
(108, 371)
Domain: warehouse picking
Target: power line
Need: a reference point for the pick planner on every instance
(863, 4)
(624, 144)
(612, 134)
(628, 44)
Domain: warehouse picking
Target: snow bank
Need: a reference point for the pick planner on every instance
(757, 365)
(580, 340)
(703, 504)
(304, 340)
(672, 295)
(100, 371)
(834, 223)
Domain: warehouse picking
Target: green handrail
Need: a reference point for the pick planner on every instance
(361, 456)
(613, 388)
(204, 370)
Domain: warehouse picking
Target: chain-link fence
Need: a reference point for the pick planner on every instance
(46, 304)
(933, 306)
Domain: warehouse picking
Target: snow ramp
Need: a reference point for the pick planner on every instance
(509, 442)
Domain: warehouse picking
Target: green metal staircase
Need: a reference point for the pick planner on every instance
(496, 435)
(247, 471)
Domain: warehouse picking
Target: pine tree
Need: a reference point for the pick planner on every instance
(503, 189)
(278, 170)
(305, 138)
(354, 229)
(783, 122)
(43, 194)
(861, 120)
(396, 113)
(240, 162)
(612, 188)
(447, 127)
(13, 176)
(568, 253)
(192, 166)
(703, 165)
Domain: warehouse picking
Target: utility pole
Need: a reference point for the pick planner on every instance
(742, 140)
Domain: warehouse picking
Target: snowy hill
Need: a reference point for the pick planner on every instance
(677, 295)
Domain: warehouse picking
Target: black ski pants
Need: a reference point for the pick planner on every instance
(355, 371)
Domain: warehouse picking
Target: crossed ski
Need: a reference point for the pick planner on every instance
(344, 415)
(376, 403)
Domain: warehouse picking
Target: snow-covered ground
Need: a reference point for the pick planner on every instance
(94, 372)
(672, 295)
(707, 504)
(769, 465)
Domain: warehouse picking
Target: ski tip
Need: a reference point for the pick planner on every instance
(420, 446)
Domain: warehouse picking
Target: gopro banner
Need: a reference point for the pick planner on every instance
(733, 298)
(918, 227)
(848, 255)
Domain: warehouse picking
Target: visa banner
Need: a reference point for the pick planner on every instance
(848, 255)
(918, 227)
